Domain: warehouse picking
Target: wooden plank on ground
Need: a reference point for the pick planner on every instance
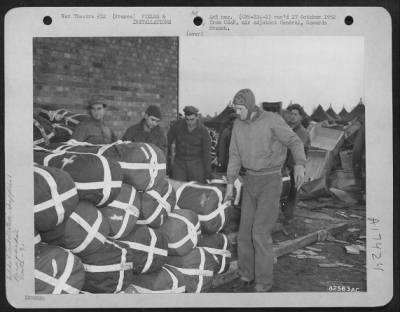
(281, 249)
(287, 247)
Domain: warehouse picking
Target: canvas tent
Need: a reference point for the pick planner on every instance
(320, 115)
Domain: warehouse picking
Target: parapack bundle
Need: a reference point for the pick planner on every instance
(147, 247)
(207, 202)
(97, 178)
(55, 197)
(197, 268)
(122, 213)
(182, 230)
(57, 271)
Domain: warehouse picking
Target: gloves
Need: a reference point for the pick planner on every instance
(299, 173)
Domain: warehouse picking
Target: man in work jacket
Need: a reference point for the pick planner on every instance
(295, 122)
(94, 130)
(192, 148)
(259, 143)
(148, 130)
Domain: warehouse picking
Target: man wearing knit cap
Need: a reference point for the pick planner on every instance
(94, 130)
(259, 143)
(192, 160)
(148, 130)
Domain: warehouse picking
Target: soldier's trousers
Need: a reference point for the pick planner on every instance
(259, 213)
(189, 170)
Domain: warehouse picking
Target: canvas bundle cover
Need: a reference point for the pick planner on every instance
(122, 214)
(108, 270)
(218, 245)
(62, 133)
(63, 117)
(97, 178)
(43, 131)
(156, 204)
(197, 268)
(148, 249)
(57, 271)
(182, 230)
(55, 197)
(167, 280)
(143, 164)
(84, 232)
(207, 202)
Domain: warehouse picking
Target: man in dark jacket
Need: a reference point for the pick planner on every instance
(94, 130)
(295, 119)
(148, 130)
(192, 148)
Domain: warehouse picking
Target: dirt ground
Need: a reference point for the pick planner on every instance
(292, 274)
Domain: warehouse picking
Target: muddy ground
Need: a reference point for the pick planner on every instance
(298, 275)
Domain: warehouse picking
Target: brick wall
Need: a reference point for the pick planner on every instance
(129, 73)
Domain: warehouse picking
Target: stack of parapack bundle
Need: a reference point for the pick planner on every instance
(52, 126)
(107, 220)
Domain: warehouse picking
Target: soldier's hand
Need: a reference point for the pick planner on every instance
(299, 174)
(228, 193)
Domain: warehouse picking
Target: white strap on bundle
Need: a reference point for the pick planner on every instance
(162, 204)
(121, 267)
(57, 114)
(201, 272)
(92, 231)
(175, 289)
(61, 283)
(45, 137)
(191, 235)
(198, 228)
(219, 252)
(219, 211)
(63, 127)
(105, 147)
(71, 119)
(108, 182)
(48, 158)
(181, 188)
(56, 198)
(153, 166)
(130, 210)
(224, 253)
(221, 206)
(37, 239)
(151, 249)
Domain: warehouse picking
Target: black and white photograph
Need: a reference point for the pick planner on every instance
(219, 165)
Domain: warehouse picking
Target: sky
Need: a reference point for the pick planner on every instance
(306, 70)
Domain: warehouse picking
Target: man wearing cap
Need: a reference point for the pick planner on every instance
(294, 120)
(148, 130)
(192, 148)
(94, 130)
(259, 143)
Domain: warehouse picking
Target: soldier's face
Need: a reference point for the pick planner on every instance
(151, 121)
(295, 117)
(241, 111)
(191, 120)
(97, 112)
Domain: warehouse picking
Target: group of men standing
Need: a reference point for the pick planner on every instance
(258, 145)
(192, 161)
